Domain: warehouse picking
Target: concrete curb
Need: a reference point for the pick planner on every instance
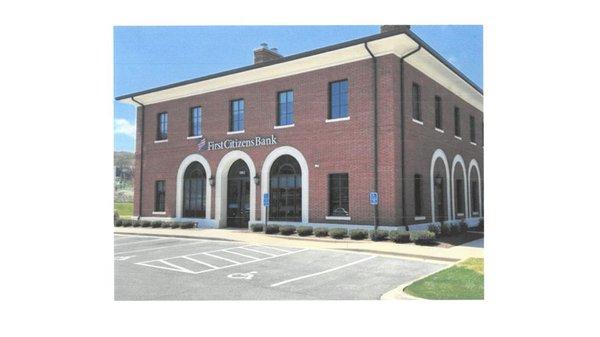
(399, 294)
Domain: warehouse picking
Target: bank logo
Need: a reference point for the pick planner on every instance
(201, 144)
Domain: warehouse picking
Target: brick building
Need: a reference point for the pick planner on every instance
(318, 131)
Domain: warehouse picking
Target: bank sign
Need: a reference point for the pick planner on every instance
(229, 144)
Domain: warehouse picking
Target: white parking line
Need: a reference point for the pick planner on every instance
(257, 251)
(240, 254)
(200, 262)
(220, 257)
(322, 272)
(142, 241)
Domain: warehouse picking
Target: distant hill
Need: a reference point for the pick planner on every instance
(124, 158)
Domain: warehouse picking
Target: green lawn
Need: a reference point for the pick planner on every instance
(124, 208)
(463, 281)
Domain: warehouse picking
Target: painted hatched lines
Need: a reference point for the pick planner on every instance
(203, 262)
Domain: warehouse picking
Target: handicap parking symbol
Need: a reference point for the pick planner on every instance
(242, 276)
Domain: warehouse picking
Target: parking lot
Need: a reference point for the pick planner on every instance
(163, 268)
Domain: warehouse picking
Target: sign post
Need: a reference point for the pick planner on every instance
(374, 199)
(266, 204)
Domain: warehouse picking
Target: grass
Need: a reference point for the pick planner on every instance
(463, 281)
(124, 208)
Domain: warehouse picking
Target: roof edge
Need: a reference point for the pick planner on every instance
(369, 38)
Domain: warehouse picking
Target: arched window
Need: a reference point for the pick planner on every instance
(285, 190)
(194, 191)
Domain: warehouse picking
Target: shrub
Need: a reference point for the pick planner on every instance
(445, 229)
(321, 231)
(400, 236)
(175, 224)
(272, 229)
(156, 224)
(118, 223)
(358, 234)
(127, 222)
(422, 237)
(256, 227)
(338, 233)
(187, 224)
(146, 223)
(304, 230)
(480, 226)
(435, 228)
(165, 224)
(136, 223)
(379, 235)
(463, 227)
(116, 216)
(455, 229)
(287, 230)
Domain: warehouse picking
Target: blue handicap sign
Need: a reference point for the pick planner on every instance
(374, 197)
(266, 199)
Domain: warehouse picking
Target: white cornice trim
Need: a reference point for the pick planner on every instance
(398, 45)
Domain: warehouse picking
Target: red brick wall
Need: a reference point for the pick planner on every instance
(345, 146)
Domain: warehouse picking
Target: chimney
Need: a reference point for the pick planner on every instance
(264, 54)
(394, 28)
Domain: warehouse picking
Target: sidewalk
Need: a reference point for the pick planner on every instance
(387, 248)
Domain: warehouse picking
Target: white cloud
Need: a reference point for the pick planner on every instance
(124, 127)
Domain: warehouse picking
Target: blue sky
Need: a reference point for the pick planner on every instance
(147, 57)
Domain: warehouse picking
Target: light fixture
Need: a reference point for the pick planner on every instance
(257, 179)
(211, 181)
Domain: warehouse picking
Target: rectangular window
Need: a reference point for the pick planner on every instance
(416, 102)
(162, 126)
(159, 196)
(285, 108)
(338, 194)
(236, 115)
(456, 122)
(196, 121)
(438, 113)
(418, 201)
(460, 198)
(338, 99)
(472, 128)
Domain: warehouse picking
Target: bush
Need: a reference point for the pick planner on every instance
(444, 229)
(321, 231)
(187, 224)
(480, 226)
(272, 229)
(358, 234)
(256, 227)
(175, 224)
(400, 236)
(338, 233)
(455, 229)
(287, 230)
(116, 216)
(118, 223)
(379, 235)
(146, 223)
(463, 227)
(165, 224)
(435, 228)
(304, 230)
(156, 224)
(422, 237)
(127, 222)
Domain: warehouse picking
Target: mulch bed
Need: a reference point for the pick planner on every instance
(457, 240)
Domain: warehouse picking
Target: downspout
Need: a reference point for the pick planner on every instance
(375, 134)
(402, 175)
(141, 166)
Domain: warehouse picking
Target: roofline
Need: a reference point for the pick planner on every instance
(310, 53)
